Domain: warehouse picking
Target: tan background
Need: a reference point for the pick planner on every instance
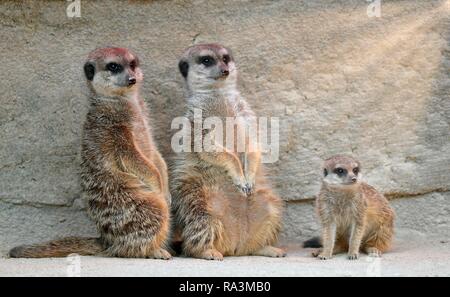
(339, 81)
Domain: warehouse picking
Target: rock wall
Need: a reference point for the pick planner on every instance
(338, 80)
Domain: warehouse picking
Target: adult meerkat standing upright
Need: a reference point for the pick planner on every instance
(123, 174)
(222, 201)
(354, 216)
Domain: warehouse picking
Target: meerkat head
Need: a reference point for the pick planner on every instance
(113, 71)
(208, 66)
(341, 171)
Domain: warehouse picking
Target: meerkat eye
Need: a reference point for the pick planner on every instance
(340, 171)
(226, 59)
(325, 172)
(356, 170)
(114, 67)
(207, 61)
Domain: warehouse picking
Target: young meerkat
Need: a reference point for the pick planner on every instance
(354, 216)
(123, 175)
(222, 202)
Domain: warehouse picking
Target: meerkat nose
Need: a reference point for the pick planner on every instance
(354, 179)
(225, 72)
(131, 81)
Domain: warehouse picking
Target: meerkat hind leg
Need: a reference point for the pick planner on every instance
(372, 252)
(378, 242)
(160, 254)
(211, 254)
(264, 218)
(270, 251)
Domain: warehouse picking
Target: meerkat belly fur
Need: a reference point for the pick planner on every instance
(222, 201)
(122, 172)
(354, 216)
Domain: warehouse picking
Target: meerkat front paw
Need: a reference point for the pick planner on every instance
(243, 186)
(352, 256)
(324, 256)
(161, 254)
(212, 254)
(250, 184)
(320, 254)
(248, 189)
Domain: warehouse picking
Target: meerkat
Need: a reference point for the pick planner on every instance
(123, 175)
(354, 216)
(222, 202)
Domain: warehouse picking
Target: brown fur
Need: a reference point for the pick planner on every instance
(354, 216)
(59, 248)
(122, 172)
(222, 208)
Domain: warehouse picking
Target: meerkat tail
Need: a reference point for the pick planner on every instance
(314, 242)
(59, 248)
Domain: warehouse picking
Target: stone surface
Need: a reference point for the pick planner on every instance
(413, 248)
(339, 81)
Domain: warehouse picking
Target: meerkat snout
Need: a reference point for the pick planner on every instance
(131, 81)
(225, 72)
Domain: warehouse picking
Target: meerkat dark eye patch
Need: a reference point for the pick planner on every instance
(325, 172)
(89, 71)
(114, 67)
(356, 170)
(340, 171)
(207, 61)
(226, 59)
(184, 68)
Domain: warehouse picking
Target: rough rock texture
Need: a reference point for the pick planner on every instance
(339, 81)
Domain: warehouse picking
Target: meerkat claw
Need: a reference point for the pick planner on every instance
(244, 189)
(352, 256)
(323, 257)
(248, 189)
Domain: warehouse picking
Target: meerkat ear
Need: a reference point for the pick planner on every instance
(184, 68)
(89, 70)
(325, 172)
(230, 53)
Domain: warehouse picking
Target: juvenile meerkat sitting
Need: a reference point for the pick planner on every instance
(122, 172)
(222, 202)
(354, 216)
